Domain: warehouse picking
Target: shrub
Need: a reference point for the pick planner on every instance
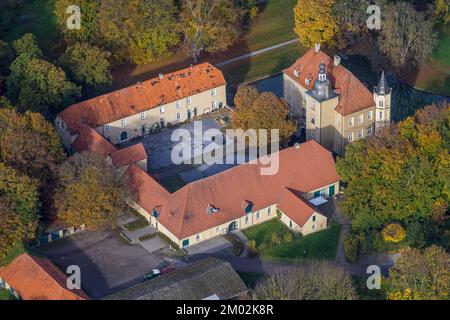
(251, 244)
(287, 237)
(275, 238)
(393, 233)
(351, 248)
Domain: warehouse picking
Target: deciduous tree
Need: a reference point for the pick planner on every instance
(315, 22)
(406, 34)
(18, 208)
(209, 25)
(89, 192)
(420, 275)
(314, 281)
(87, 65)
(29, 144)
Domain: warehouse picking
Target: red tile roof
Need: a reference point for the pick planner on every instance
(91, 140)
(129, 155)
(38, 279)
(295, 208)
(137, 98)
(353, 94)
(184, 213)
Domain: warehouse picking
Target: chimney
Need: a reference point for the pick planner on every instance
(337, 60)
(296, 73)
(161, 76)
(317, 47)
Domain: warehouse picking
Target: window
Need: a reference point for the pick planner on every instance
(197, 237)
(178, 104)
(214, 92)
(369, 115)
(313, 105)
(381, 115)
(142, 115)
(178, 116)
(188, 100)
(269, 211)
(381, 103)
(314, 218)
(350, 137)
(162, 109)
(361, 118)
(313, 119)
(123, 136)
(369, 131)
(314, 226)
(323, 192)
(350, 122)
(123, 122)
(107, 127)
(313, 134)
(214, 105)
(247, 219)
(258, 215)
(290, 224)
(360, 134)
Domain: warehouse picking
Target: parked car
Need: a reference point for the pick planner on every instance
(168, 269)
(152, 274)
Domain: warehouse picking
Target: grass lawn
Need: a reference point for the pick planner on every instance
(319, 245)
(5, 295)
(42, 23)
(442, 51)
(262, 65)
(274, 24)
(140, 223)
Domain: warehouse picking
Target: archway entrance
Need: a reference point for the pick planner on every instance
(232, 226)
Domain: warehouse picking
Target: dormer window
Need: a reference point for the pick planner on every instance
(155, 213)
(212, 209)
(247, 206)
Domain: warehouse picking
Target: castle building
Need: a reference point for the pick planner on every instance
(332, 106)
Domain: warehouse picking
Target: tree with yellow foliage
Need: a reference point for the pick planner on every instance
(315, 22)
(420, 275)
(89, 192)
(393, 233)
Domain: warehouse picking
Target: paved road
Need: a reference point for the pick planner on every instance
(255, 53)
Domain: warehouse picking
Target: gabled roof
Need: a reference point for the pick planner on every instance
(353, 94)
(129, 155)
(185, 212)
(198, 281)
(91, 140)
(140, 97)
(295, 208)
(38, 279)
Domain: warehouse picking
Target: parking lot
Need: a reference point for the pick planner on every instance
(107, 262)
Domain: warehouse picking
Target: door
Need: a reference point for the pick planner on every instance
(232, 226)
(317, 194)
(331, 191)
(185, 243)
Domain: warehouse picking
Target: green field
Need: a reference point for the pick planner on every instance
(41, 22)
(319, 245)
(442, 51)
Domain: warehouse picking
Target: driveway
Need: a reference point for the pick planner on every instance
(108, 264)
(209, 246)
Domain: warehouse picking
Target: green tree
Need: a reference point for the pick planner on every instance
(27, 45)
(29, 144)
(87, 65)
(138, 30)
(37, 84)
(386, 175)
(18, 208)
(209, 25)
(442, 12)
(89, 192)
(406, 34)
(420, 275)
(89, 31)
(315, 22)
(5, 103)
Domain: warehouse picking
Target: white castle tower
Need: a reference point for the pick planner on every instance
(382, 98)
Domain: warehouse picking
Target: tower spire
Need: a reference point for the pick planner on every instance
(383, 87)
